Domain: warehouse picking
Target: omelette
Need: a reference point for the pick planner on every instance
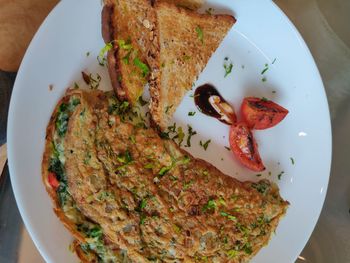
(128, 195)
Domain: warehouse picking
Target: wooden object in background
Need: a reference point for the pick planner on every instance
(3, 157)
(19, 20)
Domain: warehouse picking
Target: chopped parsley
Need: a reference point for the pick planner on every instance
(232, 253)
(279, 176)
(199, 34)
(292, 160)
(188, 184)
(126, 45)
(118, 108)
(204, 144)
(167, 108)
(211, 205)
(76, 86)
(125, 158)
(179, 136)
(142, 66)
(190, 133)
(230, 217)
(263, 79)
(258, 175)
(264, 99)
(186, 160)
(165, 169)
(227, 66)
(265, 69)
(143, 204)
(149, 166)
(262, 187)
(273, 62)
(132, 138)
(101, 58)
(172, 128)
(191, 113)
(87, 53)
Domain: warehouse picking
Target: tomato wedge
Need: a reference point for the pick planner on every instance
(261, 114)
(244, 147)
(53, 180)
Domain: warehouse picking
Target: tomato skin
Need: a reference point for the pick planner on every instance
(244, 147)
(53, 180)
(260, 114)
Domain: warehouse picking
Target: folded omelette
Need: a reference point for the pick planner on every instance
(128, 195)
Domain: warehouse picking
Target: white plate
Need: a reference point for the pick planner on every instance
(57, 55)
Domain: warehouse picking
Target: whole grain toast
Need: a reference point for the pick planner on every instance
(191, 4)
(129, 26)
(187, 40)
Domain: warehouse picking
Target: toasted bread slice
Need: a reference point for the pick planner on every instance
(187, 40)
(191, 4)
(129, 25)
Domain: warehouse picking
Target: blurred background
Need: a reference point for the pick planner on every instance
(325, 26)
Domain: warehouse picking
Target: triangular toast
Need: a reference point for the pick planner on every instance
(129, 26)
(187, 40)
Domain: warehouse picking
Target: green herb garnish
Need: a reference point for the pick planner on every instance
(261, 187)
(228, 67)
(125, 158)
(231, 253)
(191, 113)
(265, 69)
(149, 166)
(190, 133)
(279, 176)
(204, 144)
(167, 108)
(211, 205)
(101, 58)
(187, 184)
(179, 136)
(142, 66)
(230, 217)
(164, 170)
(292, 160)
(199, 34)
(126, 45)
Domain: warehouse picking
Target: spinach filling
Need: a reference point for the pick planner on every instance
(93, 232)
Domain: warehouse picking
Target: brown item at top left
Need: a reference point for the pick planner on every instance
(19, 20)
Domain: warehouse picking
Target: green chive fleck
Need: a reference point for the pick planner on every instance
(199, 34)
